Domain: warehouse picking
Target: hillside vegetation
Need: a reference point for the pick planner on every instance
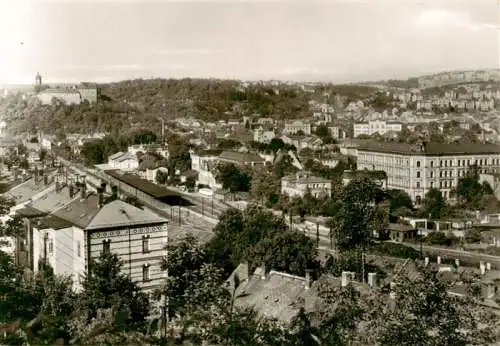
(133, 104)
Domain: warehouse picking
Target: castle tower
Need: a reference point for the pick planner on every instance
(38, 80)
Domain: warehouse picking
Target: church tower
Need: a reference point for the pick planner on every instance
(38, 80)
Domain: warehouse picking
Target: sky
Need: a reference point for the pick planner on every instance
(328, 40)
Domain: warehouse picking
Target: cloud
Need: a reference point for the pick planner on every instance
(439, 18)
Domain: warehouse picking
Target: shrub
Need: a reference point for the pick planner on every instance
(395, 250)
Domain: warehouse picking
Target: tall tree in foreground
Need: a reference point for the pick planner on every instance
(108, 289)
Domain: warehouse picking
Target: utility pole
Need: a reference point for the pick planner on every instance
(317, 234)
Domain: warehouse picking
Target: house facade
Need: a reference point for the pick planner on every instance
(123, 161)
(297, 185)
(71, 238)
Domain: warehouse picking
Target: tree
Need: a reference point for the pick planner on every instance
(161, 177)
(106, 287)
(265, 188)
(354, 220)
(434, 204)
(291, 252)
(473, 235)
(276, 144)
(399, 199)
(233, 178)
(425, 314)
(322, 131)
(238, 232)
(203, 307)
(470, 191)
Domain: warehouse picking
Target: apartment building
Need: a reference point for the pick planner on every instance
(418, 168)
(376, 126)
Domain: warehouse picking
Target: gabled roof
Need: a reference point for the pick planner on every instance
(79, 212)
(240, 157)
(119, 214)
(116, 156)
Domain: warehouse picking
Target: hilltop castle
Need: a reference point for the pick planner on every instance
(69, 95)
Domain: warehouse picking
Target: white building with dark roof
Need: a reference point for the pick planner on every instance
(123, 161)
(73, 236)
(300, 183)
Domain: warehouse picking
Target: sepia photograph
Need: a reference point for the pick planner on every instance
(250, 172)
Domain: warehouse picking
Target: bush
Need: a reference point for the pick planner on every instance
(395, 250)
(440, 238)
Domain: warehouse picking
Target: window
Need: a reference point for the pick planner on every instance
(418, 184)
(418, 163)
(445, 163)
(418, 174)
(432, 163)
(440, 174)
(78, 249)
(432, 184)
(145, 273)
(458, 163)
(432, 174)
(145, 244)
(106, 246)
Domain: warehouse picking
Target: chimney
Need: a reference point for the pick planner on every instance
(482, 267)
(57, 187)
(45, 179)
(438, 260)
(71, 190)
(488, 266)
(82, 192)
(372, 279)
(426, 261)
(100, 195)
(308, 279)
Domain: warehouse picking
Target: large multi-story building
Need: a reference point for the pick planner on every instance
(418, 168)
(377, 126)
